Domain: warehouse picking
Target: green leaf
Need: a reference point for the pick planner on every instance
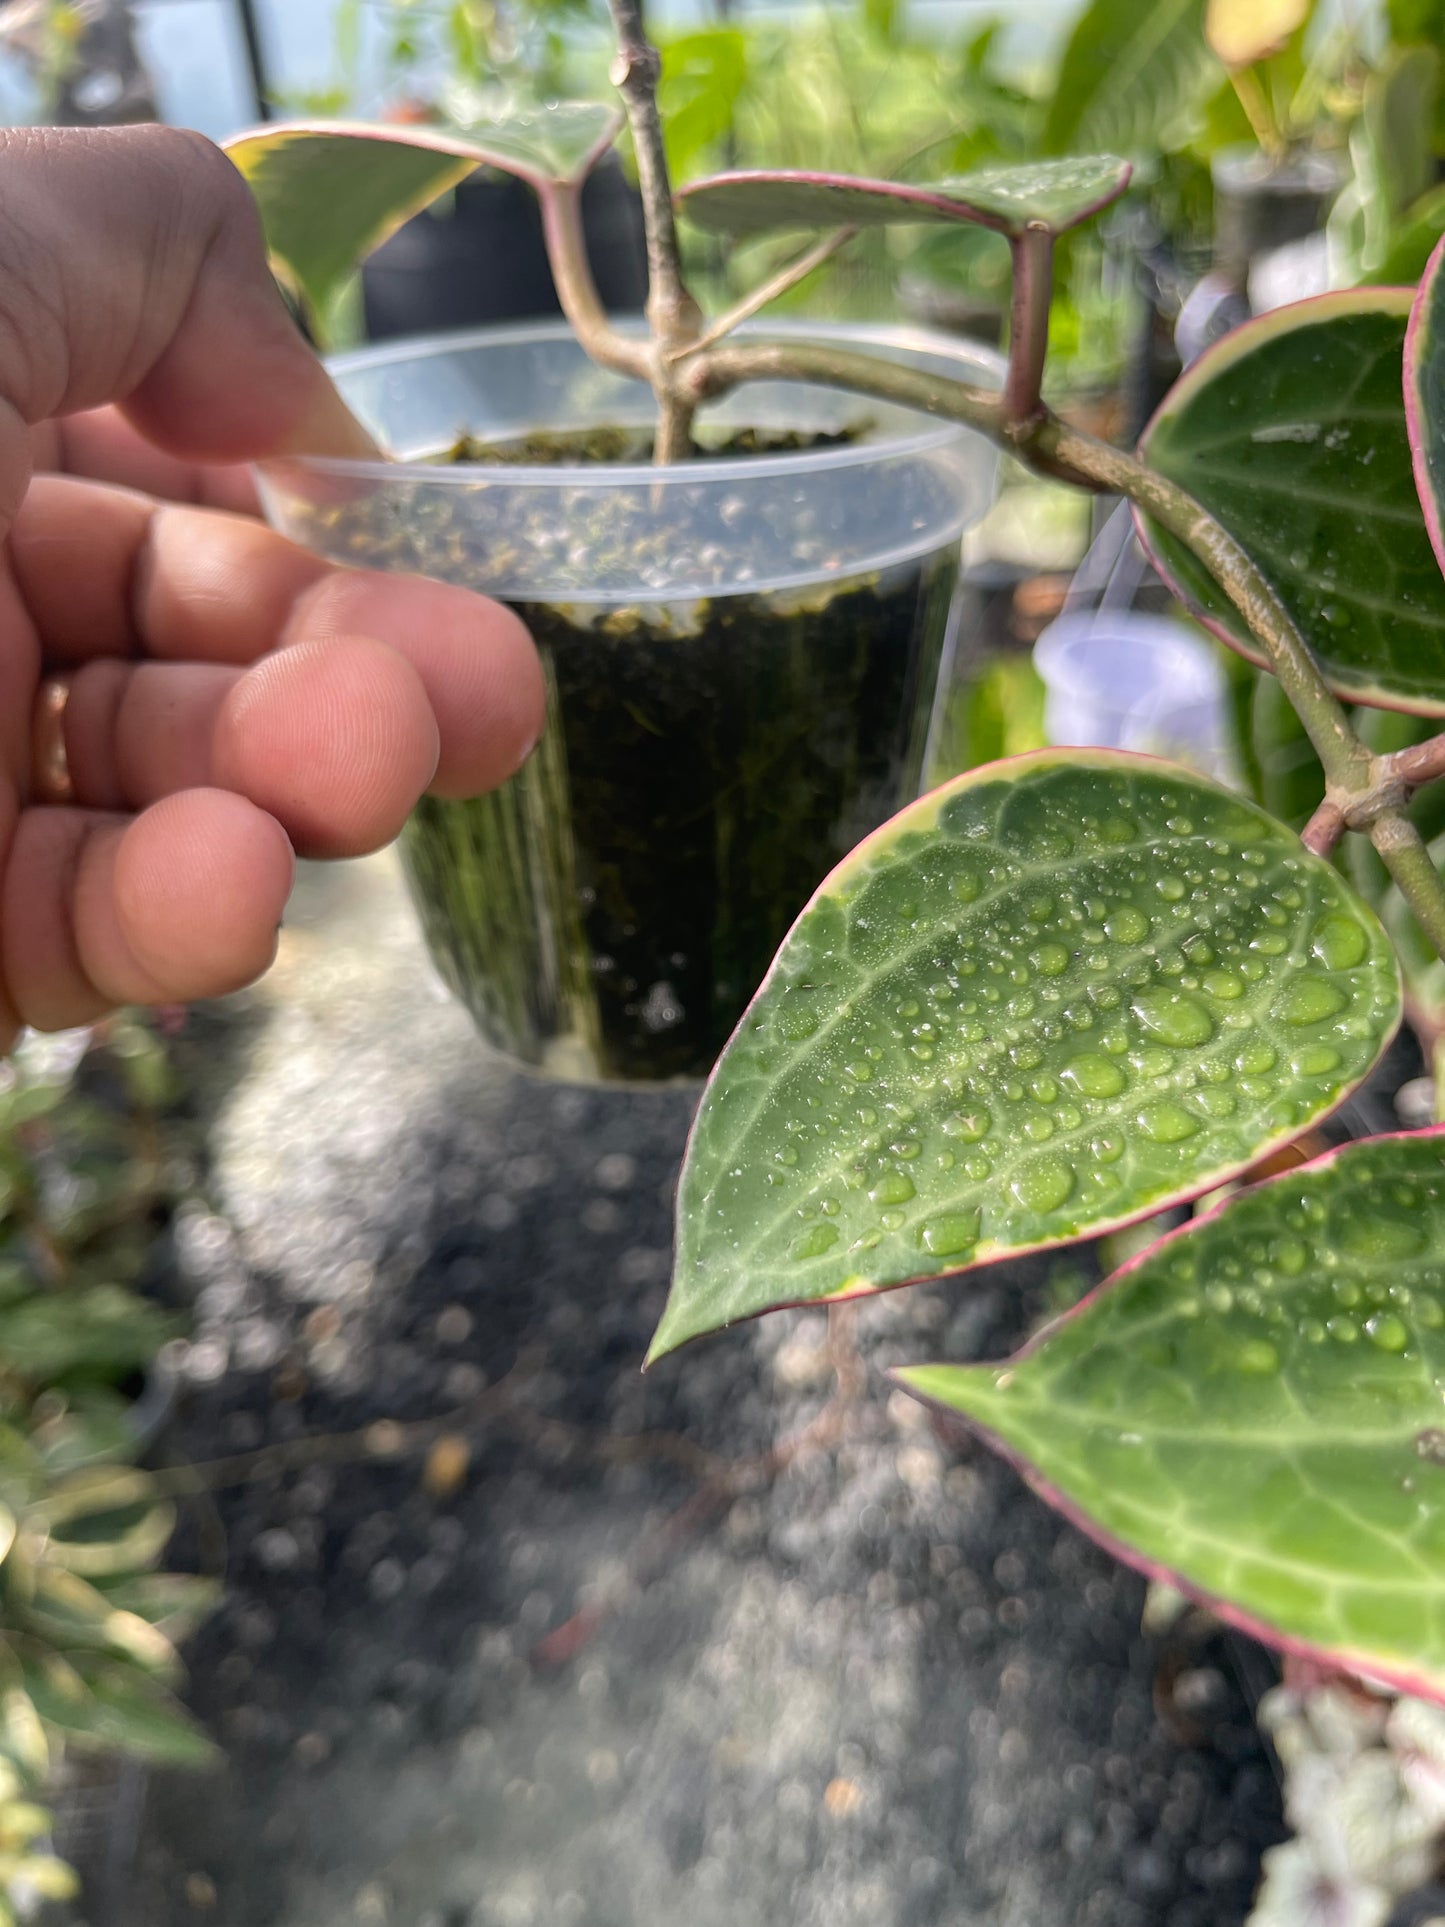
(1132, 78)
(106, 1520)
(176, 1602)
(1413, 241)
(72, 1614)
(1291, 432)
(113, 1706)
(102, 1329)
(1425, 397)
(1252, 1409)
(1053, 194)
(1053, 996)
(329, 192)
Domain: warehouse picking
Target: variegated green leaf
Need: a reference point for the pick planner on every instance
(1292, 433)
(1055, 995)
(1252, 1409)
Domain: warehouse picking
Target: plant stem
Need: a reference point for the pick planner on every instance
(1033, 286)
(1324, 829)
(1403, 852)
(1346, 761)
(788, 276)
(1049, 444)
(577, 291)
(673, 315)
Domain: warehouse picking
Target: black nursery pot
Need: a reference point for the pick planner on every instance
(741, 655)
(480, 257)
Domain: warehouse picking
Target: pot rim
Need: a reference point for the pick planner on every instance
(972, 359)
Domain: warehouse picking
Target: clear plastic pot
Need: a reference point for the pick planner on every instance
(742, 655)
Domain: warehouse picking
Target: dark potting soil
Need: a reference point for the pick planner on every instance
(613, 908)
(885, 1688)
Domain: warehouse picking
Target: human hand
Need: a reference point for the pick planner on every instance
(185, 697)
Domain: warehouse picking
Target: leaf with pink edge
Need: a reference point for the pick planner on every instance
(1291, 432)
(331, 191)
(1056, 995)
(1425, 395)
(1252, 1409)
(1055, 194)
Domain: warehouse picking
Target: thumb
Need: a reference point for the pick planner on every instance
(132, 270)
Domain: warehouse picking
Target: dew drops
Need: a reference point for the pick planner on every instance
(1338, 943)
(1165, 1122)
(892, 1188)
(1388, 1331)
(948, 1233)
(1316, 1061)
(1309, 999)
(968, 1125)
(1342, 1329)
(1221, 984)
(1044, 1186)
(1050, 959)
(1093, 1076)
(1128, 924)
(1173, 1018)
(1255, 1059)
(1170, 888)
(814, 1242)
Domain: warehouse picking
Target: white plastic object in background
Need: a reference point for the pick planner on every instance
(1115, 679)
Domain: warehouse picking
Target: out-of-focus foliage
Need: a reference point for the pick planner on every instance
(88, 1623)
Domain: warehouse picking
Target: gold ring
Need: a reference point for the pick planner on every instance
(51, 780)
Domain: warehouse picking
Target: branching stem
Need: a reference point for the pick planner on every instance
(788, 276)
(577, 291)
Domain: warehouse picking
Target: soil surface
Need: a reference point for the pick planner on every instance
(546, 1663)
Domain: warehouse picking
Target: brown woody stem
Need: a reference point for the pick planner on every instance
(673, 316)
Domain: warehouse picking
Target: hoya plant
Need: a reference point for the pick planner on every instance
(1073, 990)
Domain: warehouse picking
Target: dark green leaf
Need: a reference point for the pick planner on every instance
(1291, 432)
(1053, 996)
(1252, 1409)
(1053, 194)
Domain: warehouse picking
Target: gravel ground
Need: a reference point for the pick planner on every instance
(539, 1665)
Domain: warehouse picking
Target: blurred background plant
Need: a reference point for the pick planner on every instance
(88, 1621)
